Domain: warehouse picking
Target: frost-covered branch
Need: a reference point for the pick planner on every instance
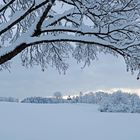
(42, 31)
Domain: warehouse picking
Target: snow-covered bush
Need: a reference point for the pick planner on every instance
(120, 102)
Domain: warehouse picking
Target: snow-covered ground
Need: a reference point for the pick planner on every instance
(65, 122)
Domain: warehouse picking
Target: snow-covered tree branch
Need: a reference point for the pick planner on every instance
(42, 31)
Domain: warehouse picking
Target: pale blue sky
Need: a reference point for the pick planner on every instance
(107, 73)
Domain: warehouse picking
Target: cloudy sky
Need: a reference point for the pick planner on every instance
(108, 73)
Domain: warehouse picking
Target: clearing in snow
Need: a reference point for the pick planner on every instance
(65, 122)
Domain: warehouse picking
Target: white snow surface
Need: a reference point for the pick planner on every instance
(65, 122)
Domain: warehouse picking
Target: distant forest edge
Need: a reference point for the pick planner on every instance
(116, 102)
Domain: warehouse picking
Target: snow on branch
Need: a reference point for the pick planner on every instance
(42, 31)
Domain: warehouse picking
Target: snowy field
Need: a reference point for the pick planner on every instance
(65, 122)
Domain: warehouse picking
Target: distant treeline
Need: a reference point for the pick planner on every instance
(116, 102)
(92, 98)
(9, 99)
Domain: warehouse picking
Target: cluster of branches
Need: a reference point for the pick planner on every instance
(48, 32)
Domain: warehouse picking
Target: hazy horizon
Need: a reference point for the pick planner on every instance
(108, 73)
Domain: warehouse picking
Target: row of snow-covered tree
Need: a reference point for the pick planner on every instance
(93, 98)
(42, 100)
(9, 99)
(116, 102)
